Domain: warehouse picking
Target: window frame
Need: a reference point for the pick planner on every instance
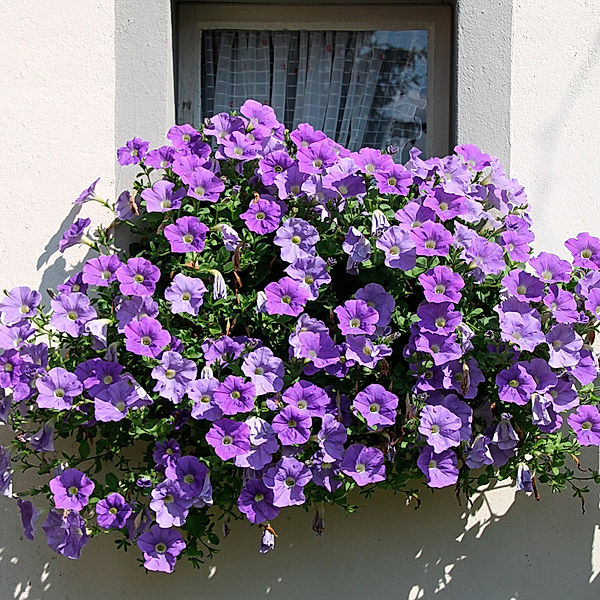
(436, 19)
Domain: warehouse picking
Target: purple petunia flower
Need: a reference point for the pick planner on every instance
(357, 247)
(74, 235)
(113, 511)
(441, 284)
(292, 426)
(185, 294)
(204, 185)
(440, 426)
(564, 345)
(287, 479)
(263, 444)
(478, 454)
(21, 303)
(146, 337)
(71, 313)
(377, 406)
(285, 297)
(399, 247)
(161, 547)
(57, 389)
(307, 398)
(134, 309)
(311, 273)
(332, 437)
(43, 439)
(317, 349)
(363, 464)
(101, 271)
(201, 392)
(229, 438)
(138, 277)
(523, 286)
(66, 534)
(173, 376)
(191, 475)
(440, 469)
(414, 215)
(162, 197)
(431, 239)
(297, 239)
(256, 502)
(71, 490)
(88, 195)
(169, 504)
(585, 249)
(364, 351)
(550, 268)
(515, 384)
(187, 234)
(442, 348)
(505, 437)
(262, 216)
(487, 256)
(396, 180)
(113, 402)
(356, 317)
(585, 422)
(160, 158)
(132, 152)
(445, 205)
(166, 452)
(234, 395)
(75, 283)
(440, 318)
(265, 370)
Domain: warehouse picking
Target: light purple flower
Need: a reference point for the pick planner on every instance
(515, 384)
(585, 422)
(285, 297)
(201, 392)
(399, 248)
(29, 517)
(71, 313)
(376, 297)
(114, 401)
(431, 239)
(162, 197)
(229, 438)
(205, 185)
(292, 426)
(138, 277)
(585, 249)
(440, 318)
(234, 395)
(440, 469)
(101, 271)
(263, 444)
(173, 376)
(135, 309)
(564, 345)
(377, 406)
(550, 268)
(307, 398)
(71, 490)
(297, 239)
(256, 502)
(187, 234)
(113, 511)
(311, 273)
(364, 464)
(161, 547)
(57, 389)
(132, 152)
(265, 370)
(146, 337)
(332, 436)
(440, 426)
(287, 479)
(21, 303)
(185, 294)
(169, 504)
(66, 534)
(365, 351)
(262, 216)
(356, 246)
(88, 195)
(74, 235)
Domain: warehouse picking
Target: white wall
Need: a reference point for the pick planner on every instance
(67, 101)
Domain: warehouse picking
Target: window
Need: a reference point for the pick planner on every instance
(366, 75)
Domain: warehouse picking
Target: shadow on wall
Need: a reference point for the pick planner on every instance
(497, 550)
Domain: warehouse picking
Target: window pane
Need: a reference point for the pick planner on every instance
(362, 88)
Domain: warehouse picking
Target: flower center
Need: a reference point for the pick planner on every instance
(521, 289)
(120, 406)
(75, 287)
(392, 181)
(556, 344)
(295, 189)
(586, 425)
(186, 296)
(200, 191)
(238, 151)
(343, 190)
(72, 315)
(309, 280)
(416, 224)
(513, 383)
(166, 204)
(435, 348)
(367, 350)
(292, 423)
(432, 464)
(312, 354)
(395, 250)
(107, 379)
(434, 429)
(59, 393)
(134, 152)
(374, 408)
(139, 278)
(547, 275)
(439, 288)
(440, 322)
(430, 244)
(260, 215)
(290, 482)
(235, 394)
(146, 340)
(205, 399)
(369, 168)
(169, 499)
(259, 498)
(443, 206)
(106, 274)
(189, 479)
(160, 548)
(278, 168)
(286, 299)
(318, 163)
(296, 239)
(170, 373)
(72, 491)
(302, 404)
(587, 253)
(113, 510)
(354, 323)
(186, 137)
(24, 309)
(188, 238)
(227, 440)
(360, 467)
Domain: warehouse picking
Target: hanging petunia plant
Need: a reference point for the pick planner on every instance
(272, 320)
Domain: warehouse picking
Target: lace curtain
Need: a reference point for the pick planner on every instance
(362, 88)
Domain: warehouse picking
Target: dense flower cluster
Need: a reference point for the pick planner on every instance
(291, 321)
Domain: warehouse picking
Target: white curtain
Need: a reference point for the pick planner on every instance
(360, 87)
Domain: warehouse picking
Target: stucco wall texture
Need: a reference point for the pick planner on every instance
(80, 77)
